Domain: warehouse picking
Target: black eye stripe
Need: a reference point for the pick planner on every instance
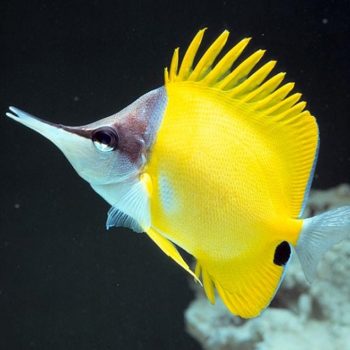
(106, 136)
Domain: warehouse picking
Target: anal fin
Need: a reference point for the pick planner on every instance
(247, 284)
(208, 283)
(169, 249)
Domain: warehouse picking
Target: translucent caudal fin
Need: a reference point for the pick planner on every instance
(319, 234)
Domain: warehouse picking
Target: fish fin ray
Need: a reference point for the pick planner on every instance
(116, 218)
(208, 283)
(318, 235)
(187, 61)
(169, 249)
(222, 68)
(132, 209)
(203, 66)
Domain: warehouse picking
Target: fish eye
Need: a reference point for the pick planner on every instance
(105, 139)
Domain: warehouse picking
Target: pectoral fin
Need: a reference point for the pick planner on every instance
(169, 249)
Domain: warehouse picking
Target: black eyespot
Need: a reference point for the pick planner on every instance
(282, 254)
(105, 139)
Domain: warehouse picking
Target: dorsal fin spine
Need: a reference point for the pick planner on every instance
(274, 97)
(264, 89)
(174, 65)
(295, 110)
(208, 58)
(254, 80)
(166, 76)
(241, 71)
(285, 104)
(223, 66)
(187, 61)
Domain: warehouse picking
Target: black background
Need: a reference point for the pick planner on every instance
(66, 282)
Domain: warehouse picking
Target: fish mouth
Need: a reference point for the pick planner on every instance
(68, 139)
(47, 129)
(52, 131)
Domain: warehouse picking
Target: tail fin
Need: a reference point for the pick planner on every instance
(319, 234)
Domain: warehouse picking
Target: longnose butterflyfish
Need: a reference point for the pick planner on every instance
(218, 161)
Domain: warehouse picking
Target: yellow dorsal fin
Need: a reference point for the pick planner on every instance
(264, 102)
(237, 82)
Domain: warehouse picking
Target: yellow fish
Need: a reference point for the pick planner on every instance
(218, 161)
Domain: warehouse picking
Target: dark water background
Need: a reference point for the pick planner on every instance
(65, 282)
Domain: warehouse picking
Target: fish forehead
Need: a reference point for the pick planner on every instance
(136, 124)
(143, 110)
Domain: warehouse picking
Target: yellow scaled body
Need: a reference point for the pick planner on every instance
(229, 169)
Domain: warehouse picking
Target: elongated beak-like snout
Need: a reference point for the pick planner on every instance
(74, 142)
(47, 129)
(64, 137)
(86, 147)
